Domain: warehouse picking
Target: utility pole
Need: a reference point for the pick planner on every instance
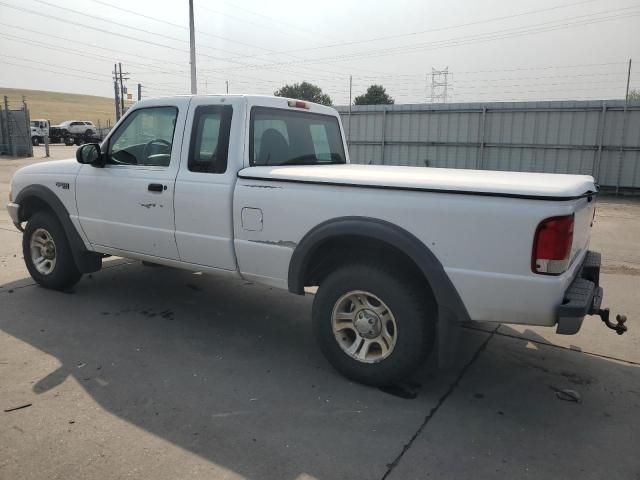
(139, 91)
(122, 78)
(192, 50)
(116, 92)
(626, 97)
(227, 82)
(439, 85)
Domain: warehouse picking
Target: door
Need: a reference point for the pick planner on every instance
(128, 204)
(205, 182)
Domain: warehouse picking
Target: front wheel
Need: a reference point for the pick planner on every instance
(47, 253)
(374, 325)
(35, 141)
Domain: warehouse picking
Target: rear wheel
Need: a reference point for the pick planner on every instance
(374, 324)
(47, 253)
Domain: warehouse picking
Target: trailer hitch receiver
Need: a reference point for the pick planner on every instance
(619, 326)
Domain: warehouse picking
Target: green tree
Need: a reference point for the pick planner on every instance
(304, 91)
(634, 94)
(376, 95)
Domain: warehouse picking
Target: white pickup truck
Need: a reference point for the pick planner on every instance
(262, 187)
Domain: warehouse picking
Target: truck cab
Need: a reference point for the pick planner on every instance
(39, 131)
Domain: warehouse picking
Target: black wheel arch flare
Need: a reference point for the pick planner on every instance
(445, 293)
(85, 260)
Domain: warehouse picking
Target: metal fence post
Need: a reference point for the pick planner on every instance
(480, 162)
(27, 119)
(384, 132)
(596, 166)
(621, 149)
(2, 134)
(7, 113)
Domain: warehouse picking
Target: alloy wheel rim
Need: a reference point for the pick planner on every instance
(43, 251)
(364, 326)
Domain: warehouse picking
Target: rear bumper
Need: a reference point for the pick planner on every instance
(583, 297)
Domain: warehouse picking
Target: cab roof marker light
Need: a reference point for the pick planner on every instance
(298, 104)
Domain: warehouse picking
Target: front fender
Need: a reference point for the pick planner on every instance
(85, 260)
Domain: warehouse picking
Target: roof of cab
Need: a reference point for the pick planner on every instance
(254, 100)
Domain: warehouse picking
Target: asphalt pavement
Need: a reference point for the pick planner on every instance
(157, 373)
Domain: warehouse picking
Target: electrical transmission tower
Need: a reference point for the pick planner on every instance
(439, 85)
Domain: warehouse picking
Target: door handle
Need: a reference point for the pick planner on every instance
(156, 187)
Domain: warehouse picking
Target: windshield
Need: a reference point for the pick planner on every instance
(292, 137)
(34, 124)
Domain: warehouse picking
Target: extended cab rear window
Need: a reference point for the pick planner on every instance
(294, 137)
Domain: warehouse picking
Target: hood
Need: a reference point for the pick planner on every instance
(57, 167)
(447, 180)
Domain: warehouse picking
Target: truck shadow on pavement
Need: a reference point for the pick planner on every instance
(230, 371)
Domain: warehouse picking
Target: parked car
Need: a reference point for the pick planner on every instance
(262, 188)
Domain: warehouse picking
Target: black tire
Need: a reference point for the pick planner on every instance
(68, 141)
(414, 314)
(35, 141)
(64, 274)
(89, 134)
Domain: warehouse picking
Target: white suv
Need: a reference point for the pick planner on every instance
(78, 127)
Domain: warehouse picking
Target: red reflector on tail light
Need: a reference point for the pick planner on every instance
(552, 245)
(298, 104)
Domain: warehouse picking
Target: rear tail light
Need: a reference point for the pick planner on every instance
(552, 245)
(299, 104)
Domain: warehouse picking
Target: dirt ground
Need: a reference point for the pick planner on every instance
(164, 374)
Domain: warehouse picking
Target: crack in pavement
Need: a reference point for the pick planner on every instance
(441, 401)
(538, 342)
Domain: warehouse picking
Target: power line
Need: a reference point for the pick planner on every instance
(236, 59)
(93, 56)
(271, 19)
(466, 40)
(52, 65)
(66, 74)
(432, 30)
(238, 56)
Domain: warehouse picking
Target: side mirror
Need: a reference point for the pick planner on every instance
(90, 154)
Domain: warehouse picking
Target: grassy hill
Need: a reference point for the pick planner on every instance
(58, 107)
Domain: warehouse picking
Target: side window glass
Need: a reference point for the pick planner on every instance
(145, 138)
(209, 147)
